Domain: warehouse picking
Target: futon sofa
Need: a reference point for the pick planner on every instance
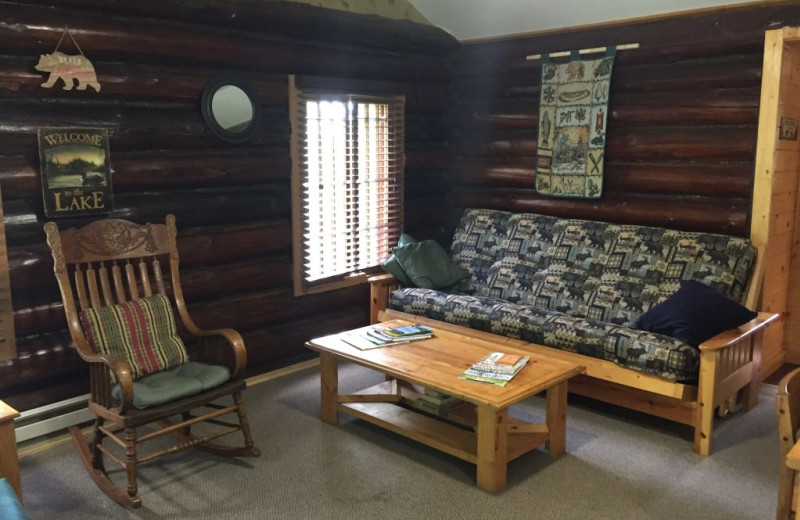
(585, 290)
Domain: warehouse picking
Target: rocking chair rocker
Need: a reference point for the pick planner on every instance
(141, 371)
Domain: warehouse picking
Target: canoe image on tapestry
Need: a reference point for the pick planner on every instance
(573, 110)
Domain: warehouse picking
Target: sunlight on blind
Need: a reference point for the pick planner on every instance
(352, 187)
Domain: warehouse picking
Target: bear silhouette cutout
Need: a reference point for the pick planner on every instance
(68, 68)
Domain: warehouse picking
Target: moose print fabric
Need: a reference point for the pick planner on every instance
(581, 285)
(573, 110)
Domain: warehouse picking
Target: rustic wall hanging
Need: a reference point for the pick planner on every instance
(76, 172)
(68, 68)
(573, 110)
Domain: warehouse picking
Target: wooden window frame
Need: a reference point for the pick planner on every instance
(359, 275)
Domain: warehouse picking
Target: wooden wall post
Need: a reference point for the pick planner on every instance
(775, 189)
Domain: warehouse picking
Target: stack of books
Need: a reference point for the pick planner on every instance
(436, 402)
(376, 336)
(497, 368)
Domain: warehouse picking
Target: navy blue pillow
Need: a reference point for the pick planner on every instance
(695, 313)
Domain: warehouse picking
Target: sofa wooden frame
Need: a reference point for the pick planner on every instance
(729, 367)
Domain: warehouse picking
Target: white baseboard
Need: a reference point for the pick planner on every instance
(52, 418)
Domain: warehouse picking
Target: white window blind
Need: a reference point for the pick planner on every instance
(349, 177)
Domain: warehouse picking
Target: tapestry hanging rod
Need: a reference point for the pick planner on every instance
(623, 47)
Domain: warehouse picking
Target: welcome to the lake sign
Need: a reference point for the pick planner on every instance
(76, 171)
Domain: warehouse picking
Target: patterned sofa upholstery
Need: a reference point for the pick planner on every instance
(580, 285)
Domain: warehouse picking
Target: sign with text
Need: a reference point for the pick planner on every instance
(76, 171)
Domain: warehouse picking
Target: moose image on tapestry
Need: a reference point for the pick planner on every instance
(573, 110)
(76, 171)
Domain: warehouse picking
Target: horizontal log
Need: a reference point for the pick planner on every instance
(251, 311)
(421, 98)
(732, 180)
(677, 37)
(40, 319)
(304, 22)
(133, 82)
(425, 184)
(426, 130)
(130, 127)
(742, 72)
(144, 41)
(217, 247)
(269, 346)
(745, 71)
(221, 244)
(39, 393)
(745, 98)
(713, 215)
(242, 311)
(426, 213)
(621, 115)
(725, 143)
(656, 178)
(140, 171)
(24, 218)
(218, 281)
(426, 157)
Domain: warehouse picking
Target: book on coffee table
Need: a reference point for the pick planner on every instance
(495, 368)
(373, 336)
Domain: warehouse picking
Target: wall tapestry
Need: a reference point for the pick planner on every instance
(76, 171)
(573, 110)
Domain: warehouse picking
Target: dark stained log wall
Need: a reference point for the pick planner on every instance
(153, 58)
(681, 132)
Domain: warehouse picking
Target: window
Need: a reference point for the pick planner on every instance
(347, 185)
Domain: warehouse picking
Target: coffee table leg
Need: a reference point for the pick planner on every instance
(329, 388)
(557, 419)
(492, 448)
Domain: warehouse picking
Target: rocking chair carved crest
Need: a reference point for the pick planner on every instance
(145, 367)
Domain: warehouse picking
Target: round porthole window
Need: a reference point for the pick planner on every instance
(229, 110)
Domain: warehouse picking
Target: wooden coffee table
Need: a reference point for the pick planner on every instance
(490, 438)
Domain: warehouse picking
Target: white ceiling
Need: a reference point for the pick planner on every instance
(473, 19)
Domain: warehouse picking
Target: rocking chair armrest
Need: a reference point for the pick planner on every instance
(121, 368)
(237, 346)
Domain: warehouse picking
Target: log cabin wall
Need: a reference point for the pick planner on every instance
(681, 135)
(682, 126)
(153, 59)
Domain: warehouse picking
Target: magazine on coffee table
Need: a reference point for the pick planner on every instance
(374, 336)
(497, 368)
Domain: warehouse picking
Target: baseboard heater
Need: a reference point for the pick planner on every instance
(59, 416)
(52, 418)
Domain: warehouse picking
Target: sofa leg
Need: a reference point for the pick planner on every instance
(702, 431)
(704, 415)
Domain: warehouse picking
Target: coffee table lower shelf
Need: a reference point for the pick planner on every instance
(458, 433)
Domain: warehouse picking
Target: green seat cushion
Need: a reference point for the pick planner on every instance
(392, 264)
(427, 265)
(10, 508)
(141, 331)
(168, 385)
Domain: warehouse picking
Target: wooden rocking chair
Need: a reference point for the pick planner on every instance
(144, 376)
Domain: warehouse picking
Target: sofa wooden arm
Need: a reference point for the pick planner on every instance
(729, 362)
(379, 288)
(733, 336)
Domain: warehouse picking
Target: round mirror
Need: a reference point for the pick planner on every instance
(229, 110)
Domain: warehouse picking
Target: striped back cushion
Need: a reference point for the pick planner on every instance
(141, 331)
